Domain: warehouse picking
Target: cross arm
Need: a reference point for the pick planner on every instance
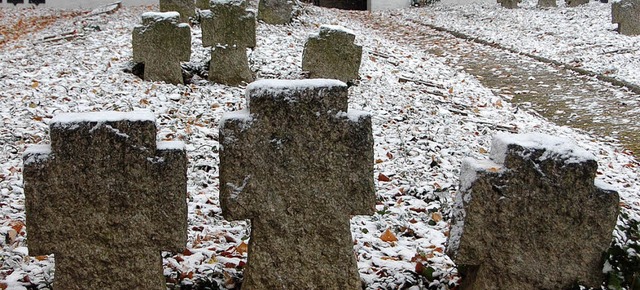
(37, 161)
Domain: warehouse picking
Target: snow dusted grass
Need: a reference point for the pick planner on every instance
(422, 132)
(582, 36)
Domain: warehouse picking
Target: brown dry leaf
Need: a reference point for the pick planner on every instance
(451, 91)
(144, 102)
(389, 155)
(436, 216)
(242, 248)
(388, 236)
(35, 84)
(17, 226)
(41, 258)
(498, 104)
(493, 169)
(378, 161)
(11, 236)
(383, 178)
(483, 151)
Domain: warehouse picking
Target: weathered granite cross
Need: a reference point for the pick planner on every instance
(531, 217)
(298, 165)
(161, 43)
(106, 200)
(626, 14)
(228, 22)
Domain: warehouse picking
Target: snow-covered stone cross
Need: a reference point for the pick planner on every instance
(531, 217)
(161, 43)
(106, 200)
(298, 165)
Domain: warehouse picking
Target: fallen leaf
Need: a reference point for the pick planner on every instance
(35, 84)
(242, 248)
(436, 216)
(41, 258)
(383, 178)
(493, 169)
(388, 236)
(483, 151)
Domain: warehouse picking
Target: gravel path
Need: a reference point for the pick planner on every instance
(561, 95)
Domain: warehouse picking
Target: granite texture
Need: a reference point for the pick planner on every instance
(229, 65)
(534, 221)
(547, 3)
(576, 3)
(106, 202)
(332, 54)
(626, 14)
(510, 4)
(186, 8)
(228, 23)
(275, 11)
(161, 43)
(298, 166)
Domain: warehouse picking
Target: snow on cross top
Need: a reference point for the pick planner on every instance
(281, 86)
(563, 148)
(36, 153)
(160, 16)
(67, 119)
(224, 2)
(336, 28)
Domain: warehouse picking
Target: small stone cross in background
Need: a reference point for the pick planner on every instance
(332, 54)
(186, 8)
(161, 43)
(298, 165)
(275, 11)
(626, 14)
(531, 217)
(229, 28)
(106, 200)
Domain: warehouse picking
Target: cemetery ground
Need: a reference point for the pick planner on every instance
(427, 116)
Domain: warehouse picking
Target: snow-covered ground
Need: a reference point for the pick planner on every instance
(422, 132)
(582, 36)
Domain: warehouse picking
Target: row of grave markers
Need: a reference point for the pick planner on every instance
(106, 198)
(229, 28)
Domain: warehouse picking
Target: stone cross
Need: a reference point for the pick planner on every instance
(298, 165)
(275, 11)
(510, 4)
(531, 218)
(161, 43)
(186, 8)
(626, 14)
(332, 54)
(228, 22)
(106, 199)
(229, 28)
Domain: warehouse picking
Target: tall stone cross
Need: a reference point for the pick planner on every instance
(161, 43)
(298, 165)
(106, 200)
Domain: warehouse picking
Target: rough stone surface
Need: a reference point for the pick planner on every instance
(298, 166)
(275, 11)
(228, 23)
(532, 217)
(161, 43)
(203, 4)
(229, 65)
(332, 54)
(547, 3)
(510, 4)
(575, 3)
(626, 14)
(186, 8)
(106, 200)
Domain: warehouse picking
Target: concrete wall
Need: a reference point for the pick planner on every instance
(373, 5)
